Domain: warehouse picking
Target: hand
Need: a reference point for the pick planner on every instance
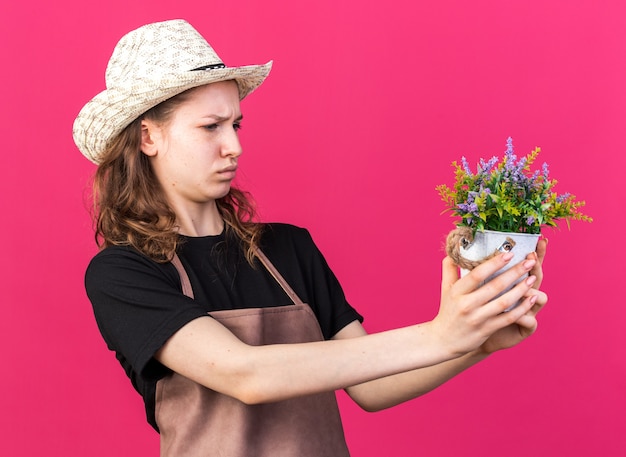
(527, 324)
(469, 314)
(538, 255)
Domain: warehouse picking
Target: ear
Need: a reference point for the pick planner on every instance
(149, 138)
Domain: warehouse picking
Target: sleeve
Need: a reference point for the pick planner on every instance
(313, 280)
(327, 292)
(138, 305)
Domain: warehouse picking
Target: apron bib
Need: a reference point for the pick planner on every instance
(198, 422)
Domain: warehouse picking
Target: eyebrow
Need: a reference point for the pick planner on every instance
(222, 118)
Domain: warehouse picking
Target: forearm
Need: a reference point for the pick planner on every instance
(258, 374)
(392, 390)
(208, 353)
(284, 371)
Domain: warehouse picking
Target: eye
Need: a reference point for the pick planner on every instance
(210, 127)
(237, 126)
(507, 246)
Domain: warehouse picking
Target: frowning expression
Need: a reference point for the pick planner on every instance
(194, 154)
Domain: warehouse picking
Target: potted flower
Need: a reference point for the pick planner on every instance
(502, 207)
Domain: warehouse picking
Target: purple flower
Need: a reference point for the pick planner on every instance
(486, 167)
(507, 194)
(468, 208)
(509, 156)
(466, 166)
(562, 198)
(509, 146)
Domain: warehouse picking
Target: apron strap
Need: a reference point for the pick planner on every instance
(278, 277)
(184, 277)
(188, 290)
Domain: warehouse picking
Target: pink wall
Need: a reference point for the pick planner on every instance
(367, 105)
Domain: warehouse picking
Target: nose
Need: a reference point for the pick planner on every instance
(231, 146)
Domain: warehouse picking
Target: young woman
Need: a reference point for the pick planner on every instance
(236, 333)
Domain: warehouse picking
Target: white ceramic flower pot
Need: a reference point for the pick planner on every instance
(487, 242)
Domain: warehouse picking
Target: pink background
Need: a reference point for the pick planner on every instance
(366, 107)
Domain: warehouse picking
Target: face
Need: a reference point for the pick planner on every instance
(194, 155)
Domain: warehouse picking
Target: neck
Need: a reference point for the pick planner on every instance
(204, 220)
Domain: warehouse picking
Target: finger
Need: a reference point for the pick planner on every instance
(504, 281)
(449, 274)
(516, 296)
(542, 247)
(514, 303)
(520, 312)
(479, 275)
(540, 301)
(528, 323)
(532, 255)
(539, 255)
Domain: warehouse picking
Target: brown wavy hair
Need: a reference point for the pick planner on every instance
(130, 207)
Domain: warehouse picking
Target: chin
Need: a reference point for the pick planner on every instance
(221, 194)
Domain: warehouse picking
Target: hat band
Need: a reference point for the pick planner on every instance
(210, 67)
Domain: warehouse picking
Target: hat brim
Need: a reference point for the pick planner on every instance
(109, 112)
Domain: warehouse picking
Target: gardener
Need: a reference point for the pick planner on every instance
(236, 333)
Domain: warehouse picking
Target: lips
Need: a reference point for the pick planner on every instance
(230, 169)
(228, 172)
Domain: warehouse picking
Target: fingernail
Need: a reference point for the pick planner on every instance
(529, 264)
(507, 256)
(531, 280)
(533, 299)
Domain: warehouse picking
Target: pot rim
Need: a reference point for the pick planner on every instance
(510, 233)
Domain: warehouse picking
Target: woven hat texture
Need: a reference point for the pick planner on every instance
(148, 66)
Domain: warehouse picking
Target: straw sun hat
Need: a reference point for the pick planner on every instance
(148, 66)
